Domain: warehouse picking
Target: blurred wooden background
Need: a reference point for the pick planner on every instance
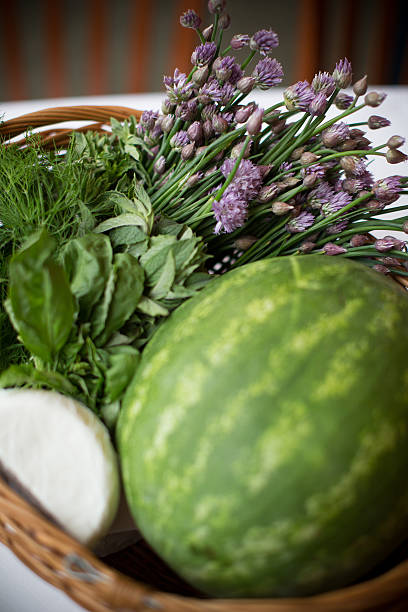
(52, 48)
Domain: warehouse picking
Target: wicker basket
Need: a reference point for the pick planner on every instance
(135, 579)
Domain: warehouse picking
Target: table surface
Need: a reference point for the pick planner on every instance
(20, 589)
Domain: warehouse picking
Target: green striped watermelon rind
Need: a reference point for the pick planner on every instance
(263, 440)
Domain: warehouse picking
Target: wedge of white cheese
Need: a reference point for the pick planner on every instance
(59, 453)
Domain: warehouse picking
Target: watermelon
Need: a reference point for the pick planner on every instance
(264, 439)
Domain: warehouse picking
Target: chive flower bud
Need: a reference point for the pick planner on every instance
(281, 208)
(310, 179)
(200, 75)
(359, 240)
(395, 142)
(375, 122)
(190, 19)
(242, 115)
(382, 269)
(195, 132)
(208, 129)
(333, 249)
(405, 227)
(318, 105)
(279, 126)
(374, 98)
(308, 158)
(193, 179)
(160, 165)
(360, 87)
(342, 74)
(167, 106)
(343, 101)
(237, 149)
(167, 123)
(238, 41)
(307, 247)
(395, 156)
(219, 124)
(216, 6)
(246, 84)
(254, 123)
(388, 243)
(244, 242)
(297, 153)
(224, 21)
(187, 152)
(267, 193)
(207, 33)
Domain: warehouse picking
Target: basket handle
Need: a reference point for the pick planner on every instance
(101, 114)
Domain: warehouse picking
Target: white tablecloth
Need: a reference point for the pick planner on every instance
(20, 589)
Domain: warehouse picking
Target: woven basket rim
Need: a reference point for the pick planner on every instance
(51, 553)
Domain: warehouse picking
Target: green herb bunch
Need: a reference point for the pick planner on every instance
(83, 312)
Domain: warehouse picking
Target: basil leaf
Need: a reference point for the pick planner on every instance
(123, 361)
(128, 288)
(40, 303)
(166, 278)
(87, 261)
(152, 308)
(27, 375)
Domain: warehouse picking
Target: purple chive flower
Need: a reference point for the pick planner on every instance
(264, 41)
(337, 202)
(186, 110)
(248, 177)
(300, 223)
(226, 69)
(203, 54)
(343, 74)
(179, 140)
(387, 190)
(323, 82)
(148, 119)
(190, 19)
(298, 96)
(317, 169)
(231, 211)
(353, 165)
(336, 228)
(355, 184)
(178, 89)
(388, 243)
(333, 249)
(210, 92)
(268, 73)
(285, 167)
(226, 92)
(321, 195)
(238, 41)
(335, 134)
(375, 122)
(318, 105)
(343, 100)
